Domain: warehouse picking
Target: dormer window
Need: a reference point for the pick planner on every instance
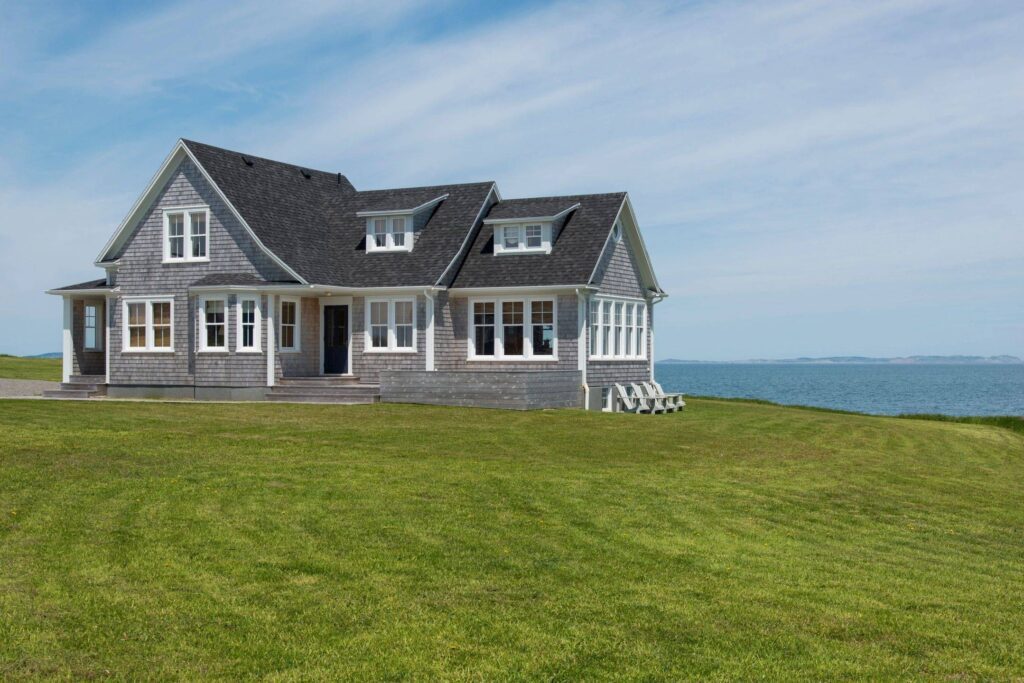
(388, 233)
(522, 238)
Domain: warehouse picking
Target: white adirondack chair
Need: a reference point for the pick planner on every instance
(655, 395)
(631, 404)
(674, 398)
(657, 405)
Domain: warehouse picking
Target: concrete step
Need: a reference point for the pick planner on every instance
(70, 393)
(328, 381)
(99, 389)
(87, 379)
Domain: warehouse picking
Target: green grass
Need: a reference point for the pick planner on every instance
(732, 541)
(14, 367)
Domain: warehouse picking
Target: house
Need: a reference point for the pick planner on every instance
(240, 278)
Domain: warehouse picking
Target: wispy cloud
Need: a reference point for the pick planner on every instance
(835, 158)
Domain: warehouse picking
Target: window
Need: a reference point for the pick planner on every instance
(617, 329)
(516, 329)
(193, 223)
(248, 316)
(391, 325)
(617, 232)
(93, 336)
(483, 328)
(388, 233)
(214, 333)
(290, 312)
(543, 323)
(148, 324)
(512, 328)
(516, 238)
(510, 239)
(534, 237)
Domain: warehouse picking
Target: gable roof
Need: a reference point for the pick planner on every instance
(575, 253)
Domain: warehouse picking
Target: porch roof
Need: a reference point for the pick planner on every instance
(87, 287)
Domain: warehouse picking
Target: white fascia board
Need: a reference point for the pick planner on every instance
(532, 219)
(374, 291)
(79, 292)
(525, 291)
(471, 232)
(403, 212)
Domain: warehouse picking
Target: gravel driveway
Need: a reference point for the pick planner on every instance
(22, 388)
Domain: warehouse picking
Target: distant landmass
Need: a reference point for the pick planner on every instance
(859, 360)
(51, 354)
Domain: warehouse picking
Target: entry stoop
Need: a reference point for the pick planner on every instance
(323, 390)
(80, 386)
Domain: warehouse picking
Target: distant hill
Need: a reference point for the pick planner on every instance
(51, 354)
(855, 360)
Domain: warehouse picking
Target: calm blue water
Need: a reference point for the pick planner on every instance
(880, 389)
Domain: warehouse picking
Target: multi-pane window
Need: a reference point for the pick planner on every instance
(518, 238)
(403, 324)
(136, 325)
(617, 329)
(289, 325)
(148, 325)
(512, 328)
(510, 239)
(197, 222)
(542, 318)
(248, 338)
(483, 328)
(215, 325)
(186, 234)
(534, 236)
(93, 338)
(176, 235)
(379, 324)
(518, 329)
(391, 325)
(388, 233)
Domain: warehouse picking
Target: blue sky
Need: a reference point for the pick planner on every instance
(812, 178)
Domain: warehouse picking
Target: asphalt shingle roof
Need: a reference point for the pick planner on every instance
(310, 223)
(236, 279)
(89, 284)
(573, 256)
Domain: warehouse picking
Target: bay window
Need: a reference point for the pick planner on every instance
(214, 324)
(186, 235)
(512, 329)
(148, 324)
(618, 329)
(390, 325)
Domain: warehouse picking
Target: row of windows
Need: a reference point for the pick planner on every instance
(618, 329)
(514, 329)
(186, 233)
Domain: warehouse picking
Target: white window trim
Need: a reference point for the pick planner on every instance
(101, 312)
(201, 347)
(297, 336)
(499, 330)
(148, 301)
(640, 319)
(499, 238)
(371, 243)
(258, 323)
(392, 334)
(187, 227)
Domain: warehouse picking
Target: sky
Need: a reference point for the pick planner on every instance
(811, 178)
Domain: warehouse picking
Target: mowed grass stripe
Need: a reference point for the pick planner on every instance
(730, 541)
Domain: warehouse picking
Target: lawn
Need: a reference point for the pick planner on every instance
(14, 367)
(732, 541)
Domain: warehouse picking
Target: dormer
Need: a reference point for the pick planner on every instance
(389, 230)
(525, 233)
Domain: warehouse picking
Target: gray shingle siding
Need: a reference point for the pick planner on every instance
(617, 272)
(306, 361)
(85, 362)
(141, 272)
(367, 366)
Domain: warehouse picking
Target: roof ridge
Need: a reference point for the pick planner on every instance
(563, 196)
(256, 157)
(427, 187)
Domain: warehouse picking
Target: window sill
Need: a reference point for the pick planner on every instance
(185, 261)
(389, 351)
(147, 350)
(512, 359)
(213, 351)
(249, 351)
(613, 359)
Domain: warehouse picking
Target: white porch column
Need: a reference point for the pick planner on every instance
(650, 335)
(271, 338)
(429, 325)
(106, 339)
(68, 345)
(581, 344)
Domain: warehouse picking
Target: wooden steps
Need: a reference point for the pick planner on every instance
(80, 386)
(323, 390)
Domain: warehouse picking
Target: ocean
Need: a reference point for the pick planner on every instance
(868, 388)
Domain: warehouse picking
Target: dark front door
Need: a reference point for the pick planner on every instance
(335, 340)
